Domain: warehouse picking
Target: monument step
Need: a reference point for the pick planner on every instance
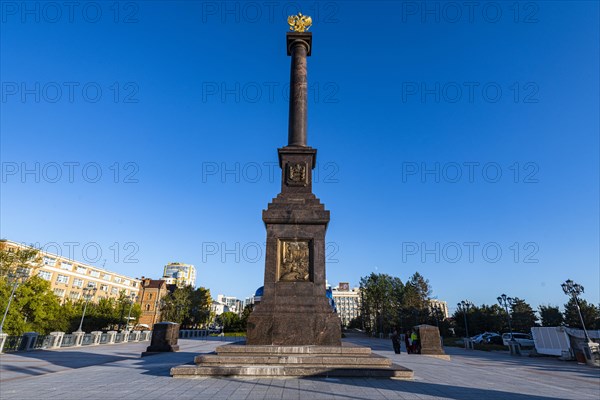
(254, 359)
(240, 348)
(187, 371)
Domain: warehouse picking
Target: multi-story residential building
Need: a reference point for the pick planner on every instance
(218, 308)
(68, 277)
(151, 295)
(233, 304)
(347, 302)
(180, 274)
(442, 306)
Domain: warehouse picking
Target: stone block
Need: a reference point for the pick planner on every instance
(164, 338)
(429, 339)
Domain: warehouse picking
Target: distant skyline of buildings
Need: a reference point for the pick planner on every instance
(68, 277)
(180, 274)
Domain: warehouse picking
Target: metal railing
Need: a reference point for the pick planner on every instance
(32, 341)
(68, 341)
(12, 343)
(87, 339)
(42, 342)
(205, 334)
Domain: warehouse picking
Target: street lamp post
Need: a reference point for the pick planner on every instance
(133, 298)
(17, 276)
(464, 306)
(88, 293)
(574, 290)
(436, 313)
(506, 301)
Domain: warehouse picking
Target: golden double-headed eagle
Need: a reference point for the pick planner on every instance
(299, 23)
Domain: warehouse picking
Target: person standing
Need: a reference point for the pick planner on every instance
(396, 341)
(415, 342)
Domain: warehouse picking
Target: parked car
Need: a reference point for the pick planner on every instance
(495, 339)
(522, 338)
(482, 338)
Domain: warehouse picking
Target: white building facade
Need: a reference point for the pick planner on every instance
(347, 302)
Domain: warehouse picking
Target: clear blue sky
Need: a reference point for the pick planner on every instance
(173, 95)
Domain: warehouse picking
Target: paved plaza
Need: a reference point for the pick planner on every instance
(118, 372)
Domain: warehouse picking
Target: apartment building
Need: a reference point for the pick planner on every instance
(180, 274)
(68, 277)
(347, 301)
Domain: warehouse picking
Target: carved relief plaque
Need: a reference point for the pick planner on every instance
(294, 260)
(296, 174)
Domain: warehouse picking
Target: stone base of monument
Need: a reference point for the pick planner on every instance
(164, 339)
(431, 344)
(238, 360)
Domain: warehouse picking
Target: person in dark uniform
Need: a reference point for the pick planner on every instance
(396, 341)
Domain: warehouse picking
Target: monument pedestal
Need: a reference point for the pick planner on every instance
(292, 361)
(294, 309)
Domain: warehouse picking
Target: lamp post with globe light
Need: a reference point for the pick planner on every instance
(88, 293)
(16, 277)
(463, 307)
(132, 299)
(506, 301)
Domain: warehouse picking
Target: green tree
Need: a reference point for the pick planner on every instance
(550, 315)
(415, 300)
(483, 318)
(245, 315)
(34, 308)
(199, 312)
(380, 298)
(589, 312)
(230, 322)
(523, 316)
(177, 305)
(15, 260)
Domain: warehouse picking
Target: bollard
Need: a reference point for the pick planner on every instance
(78, 338)
(3, 337)
(110, 337)
(96, 336)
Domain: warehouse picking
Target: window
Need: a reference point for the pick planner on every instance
(77, 282)
(147, 307)
(92, 284)
(65, 265)
(59, 292)
(81, 270)
(104, 288)
(134, 284)
(49, 261)
(149, 296)
(95, 274)
(117, 279)
(106, 277)
(45, 275)
(126, 282)
(74, 295)
(114, 291)
(62, 279)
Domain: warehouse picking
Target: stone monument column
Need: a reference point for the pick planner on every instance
(294, 309)
(298, 46)
(294, 331)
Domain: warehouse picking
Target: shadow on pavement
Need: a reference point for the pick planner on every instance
(499, 359)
